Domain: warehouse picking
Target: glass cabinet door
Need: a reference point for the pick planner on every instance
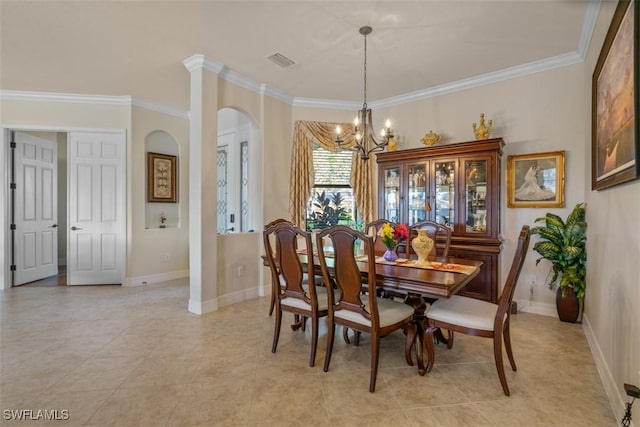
(475, 173)
(417, 193)
(444, 199)
(392, 194)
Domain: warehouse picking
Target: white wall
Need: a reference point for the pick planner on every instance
(158, 254)
(612, 303)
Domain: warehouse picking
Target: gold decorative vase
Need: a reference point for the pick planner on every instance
(422, 245)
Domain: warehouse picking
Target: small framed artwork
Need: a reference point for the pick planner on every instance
(615, 102)
(536, 180)
(162, 178)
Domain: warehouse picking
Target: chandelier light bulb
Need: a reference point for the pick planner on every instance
(358, 136)
(356, 121)
(387, 124)
(338, 130)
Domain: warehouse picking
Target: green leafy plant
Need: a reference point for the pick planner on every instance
(327, 211)
(563, 243)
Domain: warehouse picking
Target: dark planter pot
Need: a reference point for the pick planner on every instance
(569, 306)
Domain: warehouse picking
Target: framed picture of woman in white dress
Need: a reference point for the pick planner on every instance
(536, 180)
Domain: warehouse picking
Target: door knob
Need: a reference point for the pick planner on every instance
(74, 228)
(54, 226)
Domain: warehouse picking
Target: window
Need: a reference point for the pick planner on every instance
(331, 200)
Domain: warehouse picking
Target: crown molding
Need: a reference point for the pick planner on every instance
(160, 108)
(588, 25)
(198, 61)
(18, 95)
(276, 93)
(326, 103)
(481, 80)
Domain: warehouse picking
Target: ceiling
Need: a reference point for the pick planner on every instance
(137, 48)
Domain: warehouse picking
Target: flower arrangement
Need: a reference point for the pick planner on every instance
(391, 237)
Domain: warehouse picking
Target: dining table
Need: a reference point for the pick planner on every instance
(441, 277)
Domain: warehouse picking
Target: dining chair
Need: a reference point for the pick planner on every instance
(348, 306)
(439, 233)
(273, 291)
(481, 318)
(294, 291)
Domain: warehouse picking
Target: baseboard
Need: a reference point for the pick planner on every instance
(616, 401)
(156, 278)
(537, 308)
(239, 296)
(203, 307)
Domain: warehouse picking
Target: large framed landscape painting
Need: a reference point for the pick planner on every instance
(615, 127)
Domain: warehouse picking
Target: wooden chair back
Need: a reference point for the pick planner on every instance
(286, 267)
(346, 275)
(504, 303)
(440, 234)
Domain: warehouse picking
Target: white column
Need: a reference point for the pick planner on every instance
(203, 128)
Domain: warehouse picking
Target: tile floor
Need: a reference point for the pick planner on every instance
(135, 357)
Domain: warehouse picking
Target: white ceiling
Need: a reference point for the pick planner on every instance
(137, 47)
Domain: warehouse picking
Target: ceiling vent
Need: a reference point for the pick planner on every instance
(281, 60)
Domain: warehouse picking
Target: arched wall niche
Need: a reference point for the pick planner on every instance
(239, 171)
(162, 142)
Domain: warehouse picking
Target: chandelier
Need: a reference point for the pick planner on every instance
(364, 139)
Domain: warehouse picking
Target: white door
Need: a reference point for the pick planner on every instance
(97, 195)
(36, 208)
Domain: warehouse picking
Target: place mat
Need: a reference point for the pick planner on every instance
(433, 265)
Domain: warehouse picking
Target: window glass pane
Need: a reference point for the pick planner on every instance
(244, 186)
(331, 167)
(331, 200)
(222, 189)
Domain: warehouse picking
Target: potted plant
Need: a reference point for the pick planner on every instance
(563, 243)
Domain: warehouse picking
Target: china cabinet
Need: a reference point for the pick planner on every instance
(457, 185)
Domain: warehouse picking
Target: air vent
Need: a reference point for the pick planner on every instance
(281, 60)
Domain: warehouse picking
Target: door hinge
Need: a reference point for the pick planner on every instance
(12, 227)
(12, 186)
(12, 144)
(13, 267)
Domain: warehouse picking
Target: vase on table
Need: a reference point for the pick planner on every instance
(422, 245)
(390, 254)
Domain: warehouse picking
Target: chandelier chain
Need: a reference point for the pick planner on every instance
(365, 72)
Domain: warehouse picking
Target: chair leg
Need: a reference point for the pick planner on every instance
(273, 302)
(276, 330)
(314, 340)
(345, 335)
(330, 336)
(375, 353)
(449, 339)
(497, 353)
(356, 341)
(507, 344)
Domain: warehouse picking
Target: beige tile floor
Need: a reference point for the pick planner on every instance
(135, 357)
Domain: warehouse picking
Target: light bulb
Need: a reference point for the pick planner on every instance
(356, 121)
(338, 130)
(387, 124)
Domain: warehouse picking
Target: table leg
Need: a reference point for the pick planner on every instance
(416, 337)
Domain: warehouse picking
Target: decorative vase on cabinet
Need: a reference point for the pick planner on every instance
(422, 244)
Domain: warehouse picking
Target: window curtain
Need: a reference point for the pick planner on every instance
(306, 133)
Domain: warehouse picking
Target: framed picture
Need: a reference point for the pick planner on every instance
(615, 129)
(536, 180)
(162, 178)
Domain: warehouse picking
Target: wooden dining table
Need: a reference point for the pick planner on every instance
(446, 277)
